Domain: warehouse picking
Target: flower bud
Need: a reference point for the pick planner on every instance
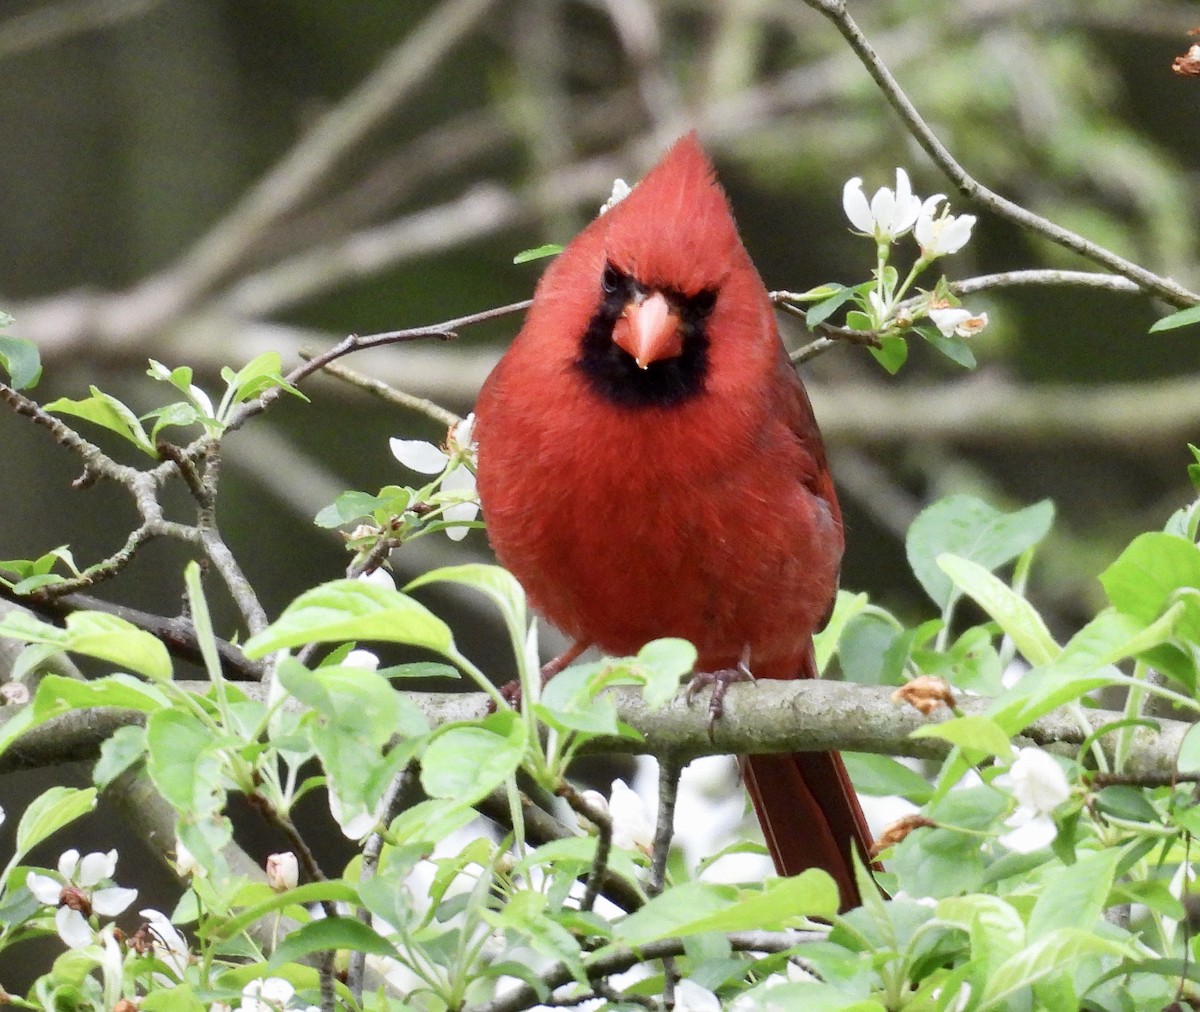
(283, 871)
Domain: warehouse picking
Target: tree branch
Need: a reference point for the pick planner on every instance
(760, 717)
(1166, 289)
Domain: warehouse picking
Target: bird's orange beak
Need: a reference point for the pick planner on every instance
(649, 330)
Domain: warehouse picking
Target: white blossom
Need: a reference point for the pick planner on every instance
(270, 994)
(379, 577)
(691, 997)
(955, 321)
(418, 455)
(362, 659)
(632, 830)
(888, 215)
(267, 994)
(283, 871)
(169, 945)
(185, 860)
(1039, 785)
(620, 190)
(81, 876)
(944, 233)
(1038, 781)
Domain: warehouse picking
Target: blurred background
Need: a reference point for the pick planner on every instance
(201, 182)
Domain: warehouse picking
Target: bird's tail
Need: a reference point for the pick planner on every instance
(809, 814)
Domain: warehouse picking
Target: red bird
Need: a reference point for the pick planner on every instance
(649, 466)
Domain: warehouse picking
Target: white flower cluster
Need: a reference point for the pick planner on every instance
(891, 214)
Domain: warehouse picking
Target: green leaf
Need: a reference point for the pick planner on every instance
(331, 933)
(126, 747)
(19, 358)
(262, 373)
(1153, 573)
(334, 890)
(182, 761)
(357, 715)
(892, 353)
(823, 310)
(992, 923)
(538, 252)
(1016, 616)
(954, 348)
(179, 998)
(177, 415)
(50, 812)
(974, 734)
(96, 634)
(526, 913)
(1182, 318)
(1085, 664)
(1188, 760)
(1074, 896)
(846, 606)
(970, 528)
(56, 695)
(352, 610)
(105, 410)
(497, 583)
(351, 506)
(662, 663)
(1058, 951)
(883, 776)
(466, 762)
(697, 907)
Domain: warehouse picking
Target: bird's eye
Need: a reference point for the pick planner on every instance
(610, 279)
(702, 302)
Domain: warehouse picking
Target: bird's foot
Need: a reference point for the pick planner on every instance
(720, 682)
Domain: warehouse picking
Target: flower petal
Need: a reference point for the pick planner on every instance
(947, 320)
(691, 997)
(67, 863)
(113, 900)
(72, 928)
(854, 203)
(1034, 834)
(632, 830)
(418, 455)
(1038, 781)
(45, 889)
(96, 867)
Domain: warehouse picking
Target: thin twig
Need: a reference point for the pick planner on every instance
(1045, 279)
(669, 769)
(601, 819)
(178, 635)
(387, 392)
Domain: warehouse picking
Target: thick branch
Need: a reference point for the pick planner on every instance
(763, 717)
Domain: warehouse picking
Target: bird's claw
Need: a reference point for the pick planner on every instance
(720, 682)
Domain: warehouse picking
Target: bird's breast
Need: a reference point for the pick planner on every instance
(625, 526)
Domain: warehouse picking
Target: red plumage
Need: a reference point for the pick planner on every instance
(685, 494)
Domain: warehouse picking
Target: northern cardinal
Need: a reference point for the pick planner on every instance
(649, 466)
